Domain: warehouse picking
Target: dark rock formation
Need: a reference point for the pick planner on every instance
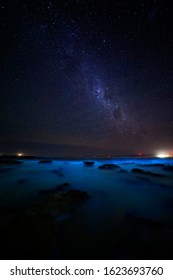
(143, 172)
(26, 234)
(154, 165)
(76, 195)
(168, 168)
(89, 163)
(123, 171)
(58, 172)
(143, 221)
(58, 188)
(45, 161)
(34, 231)
(21, 181)
(143, 178)
(4, 170)
(10, 161)
(109, 166)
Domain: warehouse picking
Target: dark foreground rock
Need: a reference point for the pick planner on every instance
(26, 234)
(35, 231)
(45, 161)
(58, 188)
(123, 171)
(143, 221)
(153, 165)
(109, 166)
(58, 172)
(76, 195)
(143, 172)
(21, 181)
(89, 163)
(10, 161)
(168, 168)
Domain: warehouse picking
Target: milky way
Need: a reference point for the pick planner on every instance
(87, 73)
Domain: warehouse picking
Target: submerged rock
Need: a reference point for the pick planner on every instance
(123, 171)
(109, 166)
(153, 165)
(76, 195)
(21, 181)
(26, 234)
(58, 172)
(89, 163)
(10, 161)
(143, 178)
(58, 188)
(4, 170)
(45, 161)
(168, 168)
(143, 221)
(143, 172)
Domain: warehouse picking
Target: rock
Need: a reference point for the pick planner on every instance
(58, 172)
(57, 203)
(89, 163)
(77, 195)
(108, 166)
(45, 161)
(26, 234)
(4, 170)
(168, 168)
(21, 181)
(154, 165)
(62, 187)
(58, 188)
(62, 217)
(143, 178)
(143, 172)
(123, 171)
(143, 221)
(10, 161)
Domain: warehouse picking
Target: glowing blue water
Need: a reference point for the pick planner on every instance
(114, 195)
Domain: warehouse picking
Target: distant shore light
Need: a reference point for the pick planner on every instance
(19, 154)
(162, 155)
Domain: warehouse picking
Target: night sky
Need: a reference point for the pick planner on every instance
(86, 77)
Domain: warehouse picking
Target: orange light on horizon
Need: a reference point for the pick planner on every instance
(19, 154)
(163, 155)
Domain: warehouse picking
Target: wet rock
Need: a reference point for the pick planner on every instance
(4, 170)
(62, 187)
(10, 161)
(58, 172)
(45, 161)
(123, 171)
(58, 203)
(62, 217)
(109, 166)
(168, 168)
(26, 234)
(143, 179)
(33, 231)
(21, 181)
(58, 188)
(76, 195)
(153, 165)
(143, 172)
(143, 221)
(89, 163)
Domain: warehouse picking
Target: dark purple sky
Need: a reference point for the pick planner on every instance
(91, 74)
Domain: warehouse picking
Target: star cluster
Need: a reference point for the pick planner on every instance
(95, 74)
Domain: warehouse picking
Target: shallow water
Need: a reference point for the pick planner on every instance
(115, 222)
